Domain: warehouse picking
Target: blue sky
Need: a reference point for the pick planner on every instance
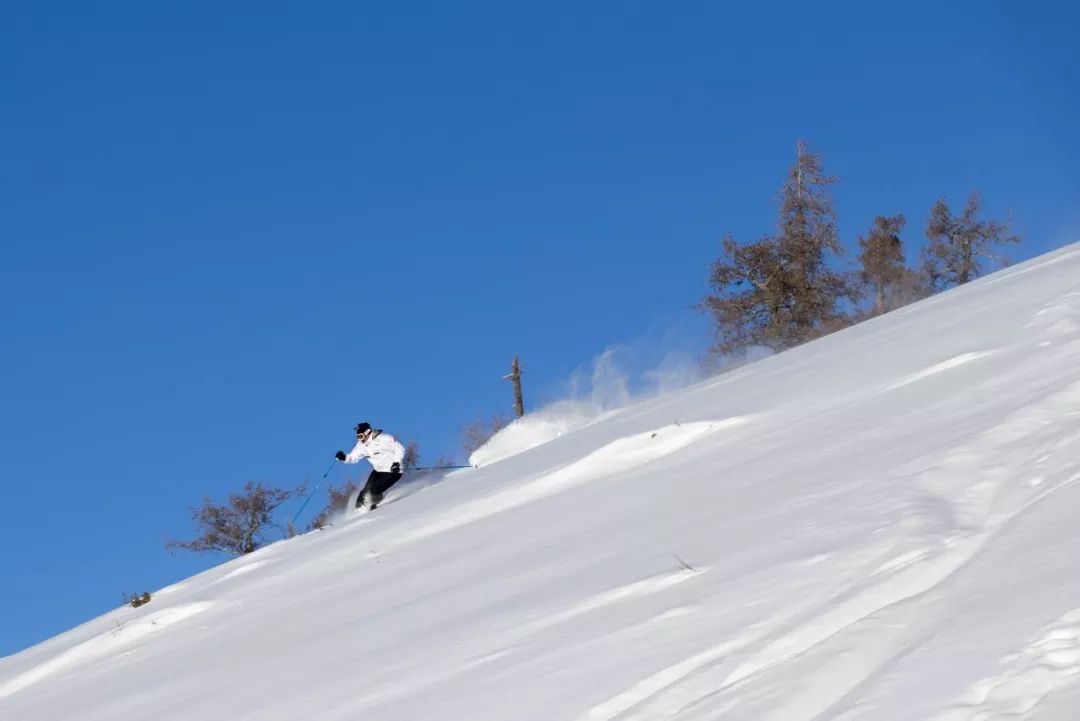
(231, 231)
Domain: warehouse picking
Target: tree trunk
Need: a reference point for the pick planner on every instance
(966, 270)
(515, 377)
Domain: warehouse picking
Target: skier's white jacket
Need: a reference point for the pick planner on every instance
(382, 449)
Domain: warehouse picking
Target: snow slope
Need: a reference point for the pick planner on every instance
(883, 525)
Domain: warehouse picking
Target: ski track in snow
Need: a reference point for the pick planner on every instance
(104, 644)
(1050, 662)
(651, 686)
(941, 367)
(1059, 320)
(247, 568)
(645, 587)
(972, 484)
(609, 460)
(552, 618)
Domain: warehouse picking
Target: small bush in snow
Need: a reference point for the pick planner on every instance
(135, 600)
(339, 498)
(478, 433)
(412, 456)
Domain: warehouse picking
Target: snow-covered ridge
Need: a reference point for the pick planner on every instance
(877, 526)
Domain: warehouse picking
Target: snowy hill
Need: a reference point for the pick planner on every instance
(883, 525)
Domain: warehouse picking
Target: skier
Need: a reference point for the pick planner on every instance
(385, 454)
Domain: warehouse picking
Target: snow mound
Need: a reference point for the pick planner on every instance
(1026, 677)
(535, 429)
(610, 460)
(621, 375)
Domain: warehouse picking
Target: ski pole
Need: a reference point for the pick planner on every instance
(310, 495)
(435, 468)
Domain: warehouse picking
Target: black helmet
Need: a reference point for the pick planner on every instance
(362, 427)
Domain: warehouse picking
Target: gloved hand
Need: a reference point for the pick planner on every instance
(340, 455)
(395, 468)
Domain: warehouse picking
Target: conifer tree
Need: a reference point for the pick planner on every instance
(960, 248)
(882, 261)
(781, 291)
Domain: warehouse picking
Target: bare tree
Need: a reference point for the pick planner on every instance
(478, 433)
(411, 458)
(960, 248)
(338, 500)
(882, 260)
(913, 286)
(780, 291)
(240, 526)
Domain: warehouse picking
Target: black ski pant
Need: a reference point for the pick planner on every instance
(378, 483)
